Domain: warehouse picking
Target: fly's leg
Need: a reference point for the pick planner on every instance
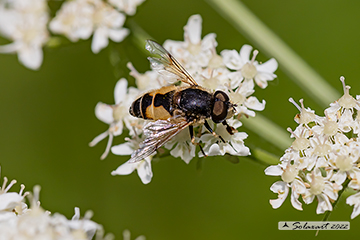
(191, 129)
(229, 128)
(206, 124)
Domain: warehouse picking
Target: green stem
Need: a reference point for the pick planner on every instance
(290, 62)
(327, 215)
(268, 130)
(265, 157)
(139, 35)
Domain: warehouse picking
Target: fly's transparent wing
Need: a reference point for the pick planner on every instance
(166, 64)
(157, 134)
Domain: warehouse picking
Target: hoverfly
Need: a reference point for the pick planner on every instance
(173, 108)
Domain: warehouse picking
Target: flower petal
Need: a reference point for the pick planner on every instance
(104, 112)
(193, 29)
(232, 59)
(354, 200)
(8, 201)
(126, 168)
(324, 204)
(31, 57)
(274, 170)
(120, 90)
(122, 149)
(253, 103)
(269, 66)
(245, 52)
(117, 35)
(282, 190)
(100, 40)
(144, 171)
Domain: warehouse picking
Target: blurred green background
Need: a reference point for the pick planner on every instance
(48, 120)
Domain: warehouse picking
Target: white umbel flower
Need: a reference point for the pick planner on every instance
(79, 19)
(324, 156)
(17, 221)
(25, 25)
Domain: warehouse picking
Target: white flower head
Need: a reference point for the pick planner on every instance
(79, 19)
(108, 23)
(25, 25)
(324, 155)
(17, 221)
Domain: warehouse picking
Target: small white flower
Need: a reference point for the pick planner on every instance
(214, 78)
(114, 115)
(290, 179)
(306, 116)
(282, 190)
(79, 19)
(184, 148)
(107, 24)
(234, 144)
(194, 53)
(249, 68)
(323, 189)
(143, 167)
(74, 20)
(345, 102)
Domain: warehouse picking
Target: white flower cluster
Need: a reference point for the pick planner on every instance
(79, 19)
(25, 23)
(210, 70)
(17, 221)
(324, 157)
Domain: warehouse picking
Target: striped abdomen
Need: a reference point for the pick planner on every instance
(155, 105)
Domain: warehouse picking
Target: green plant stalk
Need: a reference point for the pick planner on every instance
(290, 62)
(268, 130)
(327, 215)
(139, 36)
(264, 157)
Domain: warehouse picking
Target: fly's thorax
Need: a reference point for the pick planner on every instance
(194, 102)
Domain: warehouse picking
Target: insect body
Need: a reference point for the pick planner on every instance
(173, 108)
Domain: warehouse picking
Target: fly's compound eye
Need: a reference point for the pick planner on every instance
(220, 108)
